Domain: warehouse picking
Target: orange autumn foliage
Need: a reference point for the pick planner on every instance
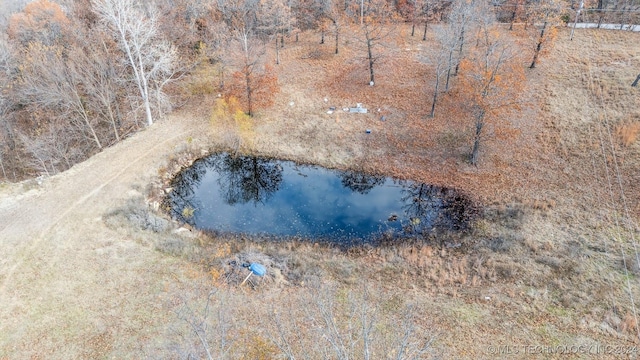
(254, 90)
(493, 72)
(493, 78)
(42, 21)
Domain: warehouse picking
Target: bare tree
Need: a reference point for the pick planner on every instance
(274, 19)
(54, 149)
(151, 59)
(211, 332)
(448, 41)
(460, 19)
(253, 77)
(238, 14)
(441, 59)
(428, 9)
(465, 18)
(463, 21)
(635, 82)
(492, 82)
(418, 12)
(546, 13)
(375, 27)
(410, 11)
(3, 133)
(517, 10)
(357, 328)
(46, 80)
(330, 10)
(5, 127)
(95, 66)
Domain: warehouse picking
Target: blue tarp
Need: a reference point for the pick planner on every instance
(258, 269)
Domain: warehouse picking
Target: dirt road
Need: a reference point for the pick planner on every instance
(70, 287)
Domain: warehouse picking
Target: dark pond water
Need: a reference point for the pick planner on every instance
(281, 199)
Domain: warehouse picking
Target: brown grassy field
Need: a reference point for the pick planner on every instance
(91, 270)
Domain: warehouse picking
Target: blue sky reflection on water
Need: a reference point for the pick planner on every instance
(280, 198)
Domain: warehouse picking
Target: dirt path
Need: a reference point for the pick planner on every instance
(69, 283)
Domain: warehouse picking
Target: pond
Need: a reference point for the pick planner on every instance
(281, 199)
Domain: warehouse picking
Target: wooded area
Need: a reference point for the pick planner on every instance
(77, 76)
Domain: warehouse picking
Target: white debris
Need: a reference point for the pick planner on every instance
(291, 103)
(330, 112)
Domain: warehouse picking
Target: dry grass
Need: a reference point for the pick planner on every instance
(541, 255)
(628, 133)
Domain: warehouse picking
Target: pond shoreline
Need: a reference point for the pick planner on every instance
(311, 201)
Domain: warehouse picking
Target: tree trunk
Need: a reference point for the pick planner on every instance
(424, 35)
(435, 92)
(4, 173)
(450, 65)
(10, 135)
(413, 28)
(322, 37)
(337, 38)
(138, 70)
(476, 140)
(144, 89)
(247, 76)
(79, 108)
(114, 124)
(513, 16)
(277, 52)
(44, 166)
(221, 77)
(147, 109)
(538, 47)
(460, 52)
(92, 130)
(370, 60)
(600, 12)
(635, 83)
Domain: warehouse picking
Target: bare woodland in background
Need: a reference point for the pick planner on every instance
(78, 76)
